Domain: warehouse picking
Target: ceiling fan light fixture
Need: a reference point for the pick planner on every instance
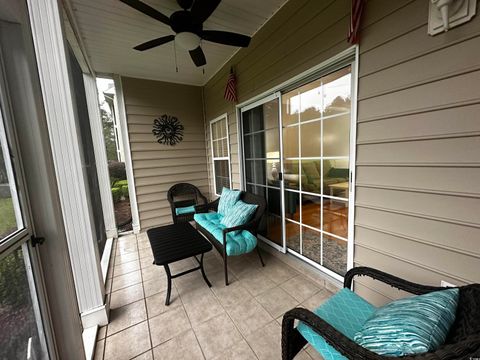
(187, 40)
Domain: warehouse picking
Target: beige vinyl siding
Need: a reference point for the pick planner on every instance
(417, 206)
(157, 167)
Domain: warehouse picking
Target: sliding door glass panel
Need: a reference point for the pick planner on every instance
(292, 205)
(336, 136)
(261, 141)
(10, 218)
(336, 174)
(311, 244)
(311, 134)
(311, 179)
(316, 141)
(335, 217)
(222, 176)
(292, 235)
(312, 211)
(335, 254)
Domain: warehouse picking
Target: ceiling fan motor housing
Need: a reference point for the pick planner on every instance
(183, 21)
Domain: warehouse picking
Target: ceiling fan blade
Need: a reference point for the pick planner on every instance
(147, 10)
(155, 42)
(202, 9)
(226, 38)
(198, 56)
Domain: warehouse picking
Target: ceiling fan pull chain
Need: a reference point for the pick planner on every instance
(175, 55)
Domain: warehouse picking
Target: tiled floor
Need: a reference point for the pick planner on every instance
(241, 321)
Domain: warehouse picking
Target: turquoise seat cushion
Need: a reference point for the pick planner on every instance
(227, 200)
(346, 312)
(413, 325)
(185, 210)
(237, 244)
(239, 214)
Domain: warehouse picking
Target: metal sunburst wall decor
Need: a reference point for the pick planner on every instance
(168, 130)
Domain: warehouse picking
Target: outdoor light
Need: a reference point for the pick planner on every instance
(187, 40)
(446, 14)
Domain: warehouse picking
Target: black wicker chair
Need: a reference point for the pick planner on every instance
(463, 340)
(184, 195)
(251, 226)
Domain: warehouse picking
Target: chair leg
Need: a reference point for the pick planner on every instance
(260, 256)
(225, 269)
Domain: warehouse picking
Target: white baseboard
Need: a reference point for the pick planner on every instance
(136, 228)
(89, 336)
(95, 317)
(105, 262)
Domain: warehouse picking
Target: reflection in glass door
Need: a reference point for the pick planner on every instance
(316, 120)
(262, 154)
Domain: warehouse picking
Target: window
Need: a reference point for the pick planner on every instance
(220, 153)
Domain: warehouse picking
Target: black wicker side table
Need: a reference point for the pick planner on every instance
(176, 242)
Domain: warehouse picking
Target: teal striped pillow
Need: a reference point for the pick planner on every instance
(412, 325)
(227, 200)
(239, 214)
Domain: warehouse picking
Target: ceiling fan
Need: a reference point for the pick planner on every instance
(188, 27)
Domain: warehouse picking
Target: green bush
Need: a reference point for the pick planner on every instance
(124, 191)
(121, 183)
(116, 194)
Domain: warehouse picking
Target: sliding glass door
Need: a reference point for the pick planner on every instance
(262, 162)
(316, 120)
(296, 151)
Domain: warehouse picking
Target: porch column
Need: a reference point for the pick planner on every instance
(101, 161)
(50, 52)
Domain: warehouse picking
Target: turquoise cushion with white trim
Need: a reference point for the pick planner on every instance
(185, 210)
(346, 312)
(239, 214)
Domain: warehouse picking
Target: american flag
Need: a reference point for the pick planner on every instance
(231, 88)
(355, 17)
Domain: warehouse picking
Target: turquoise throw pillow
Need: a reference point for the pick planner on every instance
(412, 325)
(185, 210)
(227, 200)
(239, 214)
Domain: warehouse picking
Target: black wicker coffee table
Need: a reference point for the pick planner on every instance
(176, 242)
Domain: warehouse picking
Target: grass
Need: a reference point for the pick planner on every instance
(7, 217)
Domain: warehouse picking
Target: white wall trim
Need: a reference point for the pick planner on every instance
(101, 161)
(95, 317)
(217, 119)
(49, 42)
(121, 115)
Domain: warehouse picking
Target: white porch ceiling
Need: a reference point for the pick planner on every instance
(110, 29)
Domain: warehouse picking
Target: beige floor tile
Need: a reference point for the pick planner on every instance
(143, 244)
(183, 346)
(102, 331)
(126, 296)
(123, 258)
(145, 262)
(126, 268)
(145, 356)
(217, 335)
(240, 351)
(99, 349)
(232, 294)
(317, 299)
(256, 282)
(303, 355)
(154, 286)
(190, 282)
(276, 301)
(126, 280)
(156, 303)
(266, 342)
(278, 271)
(300, 288)
(153, 272)
(240, 265)
(126, 316)
(314, 354)
(168, 325)
(145, 252)
(127, 248)
(182, 265)
(202, 308)
(128, 343)
(249, 316)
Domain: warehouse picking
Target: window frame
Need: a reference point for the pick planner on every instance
(218, 119)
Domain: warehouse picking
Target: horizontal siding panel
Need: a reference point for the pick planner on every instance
(155, 111)
(146, 191)
(193, 133)
(159, 221)
(446, 122)
(454, 180)
(447, 235)
(168, 179)
(438, 259)
(431, 67)
(155, 155)
(422, 98)
(143, 207)
(173, 170)
(149, 137)
(461, 210)
(153, 214)
(161, 194)
(455, 151)
(374, 296)
(161, 163)
(197, 145)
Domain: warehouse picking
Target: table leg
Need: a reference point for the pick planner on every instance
(203, 271)
(169, 284)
